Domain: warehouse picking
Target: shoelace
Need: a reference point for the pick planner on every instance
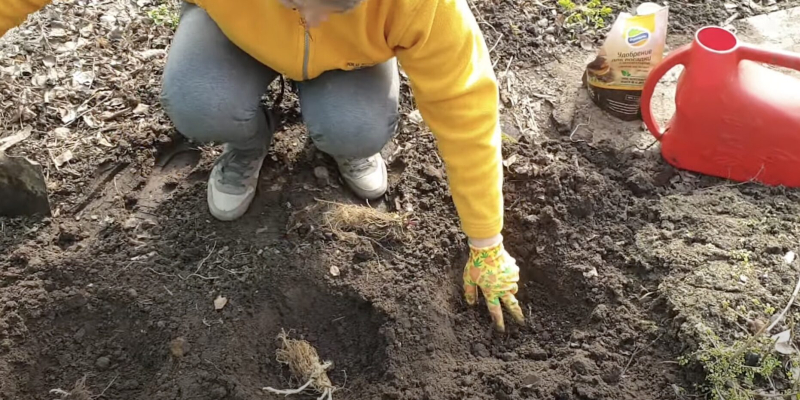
(357, 166)
(235, 165)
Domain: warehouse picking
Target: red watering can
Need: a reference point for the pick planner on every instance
(734, 118)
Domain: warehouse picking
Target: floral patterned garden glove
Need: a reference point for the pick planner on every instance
(496, 273)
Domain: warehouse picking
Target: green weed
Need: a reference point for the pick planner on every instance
(506, 138)
(593, 13)
(165, 15)
(732, 371)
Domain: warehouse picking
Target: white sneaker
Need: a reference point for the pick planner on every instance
(232, 183)
(366, 177)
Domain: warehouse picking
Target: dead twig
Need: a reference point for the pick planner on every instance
(104, 390)
(636, 351)
(785, 309)
(766, 328)
(100, 185)
(200, 265)
(730, 185)
(575, 130)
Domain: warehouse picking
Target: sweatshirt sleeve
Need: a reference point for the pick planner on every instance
(447, 61)
(14, 12)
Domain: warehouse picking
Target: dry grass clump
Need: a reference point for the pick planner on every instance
(305, 365)
(349, 220)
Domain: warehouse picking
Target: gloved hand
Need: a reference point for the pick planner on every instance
(496, 273)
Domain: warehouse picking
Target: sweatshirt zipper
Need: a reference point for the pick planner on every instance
(305, 54)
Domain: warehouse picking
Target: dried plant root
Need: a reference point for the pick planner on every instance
(305, 365)
(346, 220)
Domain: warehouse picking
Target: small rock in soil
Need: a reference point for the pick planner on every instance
(102, 363)
(752, 359)
(322, 174)
(76, 301)
(129, 384)
(130, 223)
(539, 355)
(220, 302)
(581, 365)
(480, 349)
(132, 293)
(509, 356)
(433, 172)
(613, 375)
(530, 380)
(756, 325)
(219, 392)
(639, 183)
(600, 313)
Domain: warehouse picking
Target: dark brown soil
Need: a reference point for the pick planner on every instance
(120, 290)
(393, 321)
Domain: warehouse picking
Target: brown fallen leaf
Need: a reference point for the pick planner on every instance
(510, 160)
(63, 158)
(101, 140)
(7, 142)
(141, 109)
(416, 118)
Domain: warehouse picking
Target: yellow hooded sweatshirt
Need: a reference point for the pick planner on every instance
(437, 42)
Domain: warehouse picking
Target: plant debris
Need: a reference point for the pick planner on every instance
(7, 142)
(78, 392)
(305, 365)
(348, 221)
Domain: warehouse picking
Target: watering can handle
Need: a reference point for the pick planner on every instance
(780, 58)
(677, 57)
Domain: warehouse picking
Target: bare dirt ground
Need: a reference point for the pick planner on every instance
(627, 263)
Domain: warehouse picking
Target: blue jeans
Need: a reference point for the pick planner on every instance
(212, 91)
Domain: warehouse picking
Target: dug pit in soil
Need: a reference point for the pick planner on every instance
(126, 340)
